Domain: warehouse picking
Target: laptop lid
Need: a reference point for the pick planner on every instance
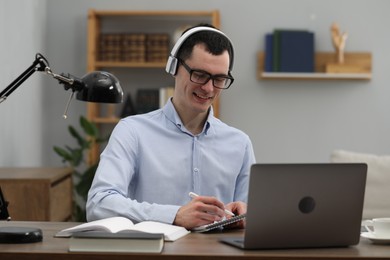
(304, 205)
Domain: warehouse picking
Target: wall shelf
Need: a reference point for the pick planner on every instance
(361, 59)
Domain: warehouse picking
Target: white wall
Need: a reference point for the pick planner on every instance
(22, 34)
(288, 121)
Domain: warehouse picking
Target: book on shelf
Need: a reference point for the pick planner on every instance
(147, 100)
(133, 47)
(110, 47)
(164, 94)
(268, 64)
(120, 224)
(293, 51)
(157, 47)
(121, 242)
(275, 51)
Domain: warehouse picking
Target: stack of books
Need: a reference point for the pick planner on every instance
(133, 47)
(289, 51)
(119, 234)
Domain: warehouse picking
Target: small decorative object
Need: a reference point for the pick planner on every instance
(344, 62)
(339, 39)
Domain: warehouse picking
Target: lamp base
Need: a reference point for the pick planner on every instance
(20, 235)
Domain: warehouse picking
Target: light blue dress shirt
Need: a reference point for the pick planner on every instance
(152, 162)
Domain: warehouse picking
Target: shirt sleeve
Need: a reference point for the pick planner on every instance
(108, 195)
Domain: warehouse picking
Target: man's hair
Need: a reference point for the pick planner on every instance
(215, 43)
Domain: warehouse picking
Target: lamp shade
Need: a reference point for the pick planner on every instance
(100, 86)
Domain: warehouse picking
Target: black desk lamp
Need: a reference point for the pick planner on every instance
(97, 86)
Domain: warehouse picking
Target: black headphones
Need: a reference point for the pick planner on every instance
(172, 63)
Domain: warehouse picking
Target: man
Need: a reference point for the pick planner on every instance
(152, 161)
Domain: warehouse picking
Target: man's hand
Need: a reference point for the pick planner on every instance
(200, 211)
(238, 208)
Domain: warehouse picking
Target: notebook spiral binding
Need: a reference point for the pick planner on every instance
(219, 224)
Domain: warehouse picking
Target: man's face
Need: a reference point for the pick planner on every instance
(193, 98)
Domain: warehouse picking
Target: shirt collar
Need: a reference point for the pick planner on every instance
(172, 115)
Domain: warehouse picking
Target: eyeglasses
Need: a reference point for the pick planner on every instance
(202, 77)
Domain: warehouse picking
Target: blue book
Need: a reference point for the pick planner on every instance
(296, 51)
(268, 58)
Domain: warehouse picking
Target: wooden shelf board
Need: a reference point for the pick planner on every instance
(316, 75)
(123, 64)
(106, 120)
(151, 13)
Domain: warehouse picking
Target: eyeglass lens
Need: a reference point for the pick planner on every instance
(203, 77)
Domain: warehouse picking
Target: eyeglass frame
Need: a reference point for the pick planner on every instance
(210, 76)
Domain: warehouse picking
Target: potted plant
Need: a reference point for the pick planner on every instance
(74, 157)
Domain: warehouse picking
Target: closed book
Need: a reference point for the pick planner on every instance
(275, 51)
(147, 100)
(268, 61)
(120, 224)
(110, 47)
(165, 94)
(133, 47)
(296, 51)
(125, 241)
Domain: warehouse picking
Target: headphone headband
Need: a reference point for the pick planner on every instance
(172, 62)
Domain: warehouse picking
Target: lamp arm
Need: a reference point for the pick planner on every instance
(69, 81)
(60, 78)
(38, 65)
(41, 64)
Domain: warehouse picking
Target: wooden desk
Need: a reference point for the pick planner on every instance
(38, 194)
(192, 246)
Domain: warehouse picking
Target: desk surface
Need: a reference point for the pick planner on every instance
(193, 246)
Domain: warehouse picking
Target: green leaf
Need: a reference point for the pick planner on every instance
(74, 156)
(77, 156)
(80, 140)
(89, 127)
(63, 153)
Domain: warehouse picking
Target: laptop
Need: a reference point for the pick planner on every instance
(303, 206)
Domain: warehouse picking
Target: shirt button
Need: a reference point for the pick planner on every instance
(196, 169)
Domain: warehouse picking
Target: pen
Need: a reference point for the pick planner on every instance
(193, 195)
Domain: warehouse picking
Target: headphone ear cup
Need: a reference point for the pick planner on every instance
(172, 64)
